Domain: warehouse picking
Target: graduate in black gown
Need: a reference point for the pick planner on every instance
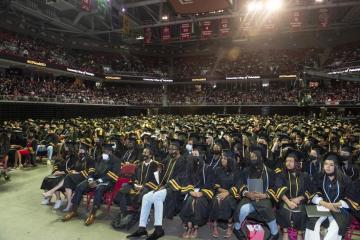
(226, 194)
(198, 186)
(213, 159)
(348, 168)
(129, 196)
(293, 193)
(259, 205)
(79, 173)
(330, 191)
(63, 166)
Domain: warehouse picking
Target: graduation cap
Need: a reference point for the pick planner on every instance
(200, 147)
(177, 143)
(332, 156)
(258, 151)
(108, 146)
(284, 137)
(297, 155)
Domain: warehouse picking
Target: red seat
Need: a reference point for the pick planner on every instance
(354, 230)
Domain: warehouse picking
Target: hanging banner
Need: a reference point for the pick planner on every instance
(86, 5)
(147, 35)
(224, 27)
(295, 20)
(206, 29)
(269, 24)
(185, 31)
(324, 17)
(165, 33)
(126, 24)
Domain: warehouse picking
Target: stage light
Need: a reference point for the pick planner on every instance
(255, 6)
(123, 10)
(319, 1)
(274, 5)
(164, 17)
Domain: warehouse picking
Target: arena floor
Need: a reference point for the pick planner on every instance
(23, 218)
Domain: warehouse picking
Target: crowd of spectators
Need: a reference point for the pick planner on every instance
(347, 55)
(70, 91)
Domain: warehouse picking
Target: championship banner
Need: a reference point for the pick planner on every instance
(86, 5)
(224, 27)
(165, 33)
(206, 29)
(295, 20)
(324, 17)
(185, 31)
(147, 35)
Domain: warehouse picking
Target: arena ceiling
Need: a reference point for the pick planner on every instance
(66, 18)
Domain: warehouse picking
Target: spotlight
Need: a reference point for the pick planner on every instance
(123, 10)
(164, 17)
(255, 6)
(274, 5)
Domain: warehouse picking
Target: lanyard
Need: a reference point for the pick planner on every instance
(215, 163)
(337, 186)
(344, 170)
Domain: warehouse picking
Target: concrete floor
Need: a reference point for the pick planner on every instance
(23, 218)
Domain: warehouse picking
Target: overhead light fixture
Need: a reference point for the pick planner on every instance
(123, 10)
(255, 6)
(274, 5)
(139, 38)
(165, 17)
(319, 1)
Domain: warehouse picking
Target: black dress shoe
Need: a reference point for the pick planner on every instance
(158, 233)
(274, 237)
(139, 233)
(239, 234)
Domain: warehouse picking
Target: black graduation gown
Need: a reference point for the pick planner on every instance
(196, 210)
(312, 168)
(83, 166)
(144, 175)
(264, 208)
(292, 186)
(108, 170)
(325, 188)
(353, 198)
(213, 160)
(224, 209)
(129, 155)
(64, 165)
(173, 173)
(351, 171)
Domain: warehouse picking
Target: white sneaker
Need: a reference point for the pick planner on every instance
(45, 201)
(67, 209)
(57, 204)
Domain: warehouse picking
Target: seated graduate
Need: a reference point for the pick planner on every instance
(198, 185)
(330, 191)
(130, 195)
(348, 168)
(59, 172)
(80, 172)
(101, 180)
(313, 165)
(353, 198)
(256, 202)
(165, 196)
(213, 159)
(293, 193)
(226, 195)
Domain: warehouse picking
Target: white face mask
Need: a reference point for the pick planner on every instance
(189, 147)
(114, 147)
(105, 156)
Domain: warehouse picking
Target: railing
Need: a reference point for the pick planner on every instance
(110, 102)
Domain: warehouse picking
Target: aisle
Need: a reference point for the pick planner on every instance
(22, 216)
